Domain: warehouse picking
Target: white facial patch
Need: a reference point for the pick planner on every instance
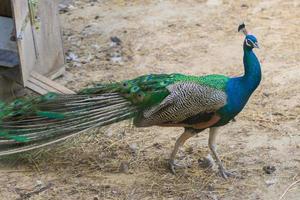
(249, 43)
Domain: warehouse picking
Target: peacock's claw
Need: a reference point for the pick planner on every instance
(226, 174)
(173, 166)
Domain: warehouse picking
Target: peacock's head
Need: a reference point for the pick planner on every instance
(250, 40)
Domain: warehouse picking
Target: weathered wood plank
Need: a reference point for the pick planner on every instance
(26, 48)
(48, 38)
(42, 85)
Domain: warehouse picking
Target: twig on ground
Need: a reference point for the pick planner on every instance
(36, 191)
(288, 188)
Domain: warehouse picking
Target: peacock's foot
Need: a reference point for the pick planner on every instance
(226, 174)
(173, 166)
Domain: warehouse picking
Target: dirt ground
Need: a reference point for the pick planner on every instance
(194, 37)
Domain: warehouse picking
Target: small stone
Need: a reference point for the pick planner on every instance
(97, 17)
(116, 59)
(266, 94)
(63, 8)
(244, 6)
(270, 182)
(116, 40)
(269, 169)
(72, 57)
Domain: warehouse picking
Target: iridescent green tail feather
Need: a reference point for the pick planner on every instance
(31, 123)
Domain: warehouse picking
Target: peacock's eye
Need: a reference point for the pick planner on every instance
(125, 84)
(248, 42)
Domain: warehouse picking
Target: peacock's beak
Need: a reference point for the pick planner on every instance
(256, 45)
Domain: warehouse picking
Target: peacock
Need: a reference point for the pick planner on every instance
(195, 103)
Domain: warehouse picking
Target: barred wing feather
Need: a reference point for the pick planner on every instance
(186, 99)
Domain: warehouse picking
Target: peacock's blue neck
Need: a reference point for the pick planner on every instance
(252, 76)
(239, 89)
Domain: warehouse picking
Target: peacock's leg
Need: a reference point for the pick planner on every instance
(188, 133)
(212, 145)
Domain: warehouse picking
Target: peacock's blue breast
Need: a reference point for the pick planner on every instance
(237, 97)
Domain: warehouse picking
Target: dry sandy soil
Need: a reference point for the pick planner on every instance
(194, 37)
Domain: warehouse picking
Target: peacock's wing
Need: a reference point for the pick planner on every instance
(186, 102)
